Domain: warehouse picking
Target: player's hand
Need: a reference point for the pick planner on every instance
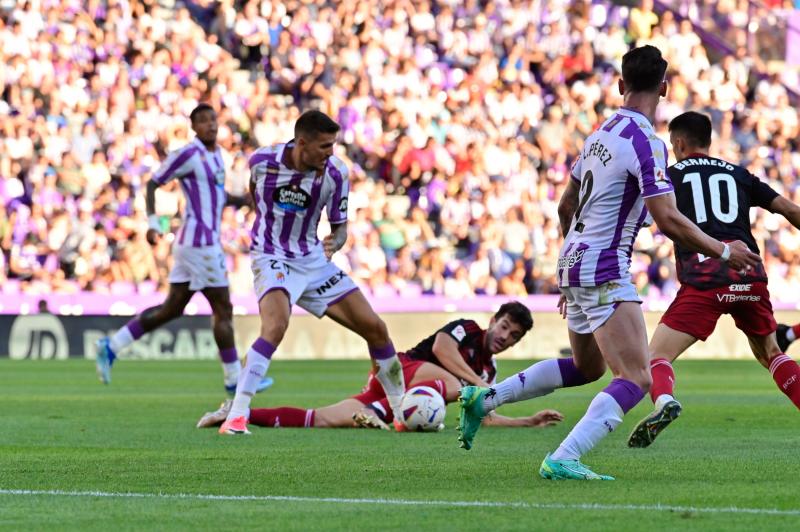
(152, 236)
(742, 258)
(545, 418)
(562, 306)
(329, 246)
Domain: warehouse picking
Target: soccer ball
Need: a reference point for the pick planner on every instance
(423, 409)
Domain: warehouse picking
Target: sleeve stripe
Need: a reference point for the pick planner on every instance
(260, 158)
(177, 163)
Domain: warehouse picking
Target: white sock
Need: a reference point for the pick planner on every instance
(538, 380)
(662, 399)
(603, 416)
(390, 375)
(249, 378)
(120, 340)
(790, 335)
(230, 371)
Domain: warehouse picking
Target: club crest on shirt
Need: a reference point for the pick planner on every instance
(459, 333)
(291, 198)
(661, 178)
(343, 205)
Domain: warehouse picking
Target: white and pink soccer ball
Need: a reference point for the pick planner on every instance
(423, 409)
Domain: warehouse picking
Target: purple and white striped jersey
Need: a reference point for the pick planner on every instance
(202, 178)
(289, 203)
(622, 163)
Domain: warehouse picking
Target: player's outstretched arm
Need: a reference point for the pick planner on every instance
(683, 231)
(787, 208)
(544, 418)
(154, 224)
(334, 241)
(567, 205)
(445, 348)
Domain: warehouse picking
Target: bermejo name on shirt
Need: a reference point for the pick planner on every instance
(702, 161)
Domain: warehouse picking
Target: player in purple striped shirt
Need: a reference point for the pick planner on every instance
(197, 252)
(618, 178)
(291, 184)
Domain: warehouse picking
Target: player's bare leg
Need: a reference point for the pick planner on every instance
(275, 312)
(339, 415)
(623, 342)
(427, 373)
(784, 370)
(108, 348)
(666, 345)
(355, 313)
(222, 324)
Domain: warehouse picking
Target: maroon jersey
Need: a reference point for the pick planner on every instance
(469, 337)
(718, 196)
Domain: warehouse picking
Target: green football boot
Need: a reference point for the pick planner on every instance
(472, 413)
(568, 470)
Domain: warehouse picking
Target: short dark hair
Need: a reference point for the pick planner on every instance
(693, 127)
(516, 312)
(201, 107)
(312, 123)
(643, 69)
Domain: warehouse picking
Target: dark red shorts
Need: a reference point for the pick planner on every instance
(373, 391)
(696, 311)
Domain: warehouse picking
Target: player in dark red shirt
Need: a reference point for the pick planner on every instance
(717, 195)
(459, 353)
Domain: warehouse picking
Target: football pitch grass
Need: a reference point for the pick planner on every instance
(77, 455)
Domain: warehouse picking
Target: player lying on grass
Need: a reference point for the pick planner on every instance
(459, 353)
(718, 195)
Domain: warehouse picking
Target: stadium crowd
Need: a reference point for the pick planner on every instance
(459, 120)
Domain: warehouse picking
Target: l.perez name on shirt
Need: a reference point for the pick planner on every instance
(597, 149)
(291, 198)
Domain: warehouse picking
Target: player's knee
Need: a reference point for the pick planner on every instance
(223, 313)
(375, 330)
(593, 371)
(274, 329)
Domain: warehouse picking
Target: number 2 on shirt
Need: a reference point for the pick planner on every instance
(586, 191)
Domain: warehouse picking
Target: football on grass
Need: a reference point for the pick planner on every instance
(423, 409)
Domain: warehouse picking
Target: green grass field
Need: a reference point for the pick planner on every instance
(76, 447)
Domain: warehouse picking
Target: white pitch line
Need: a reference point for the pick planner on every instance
(408, 502)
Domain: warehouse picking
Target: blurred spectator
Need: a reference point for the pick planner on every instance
(459, 121)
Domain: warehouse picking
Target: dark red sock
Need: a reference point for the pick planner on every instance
(796, 330)
(786, 373)
(285, 416)
(663, 378)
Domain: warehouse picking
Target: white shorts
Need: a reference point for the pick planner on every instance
(313, 283)
(200, 267)
(589, 307)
